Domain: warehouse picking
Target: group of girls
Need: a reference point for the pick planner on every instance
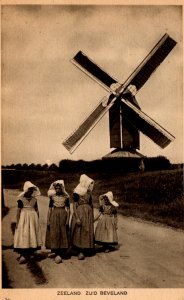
(62, 233)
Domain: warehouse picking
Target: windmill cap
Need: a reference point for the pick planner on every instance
(109, 195)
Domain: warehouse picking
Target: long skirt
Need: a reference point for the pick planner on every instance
(105, 230)
(56, 234)
(82, 236)
(28, 233)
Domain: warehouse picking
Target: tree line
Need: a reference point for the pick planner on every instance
(37, 167)
(101, 165)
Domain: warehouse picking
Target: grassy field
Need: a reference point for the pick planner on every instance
(155, 196)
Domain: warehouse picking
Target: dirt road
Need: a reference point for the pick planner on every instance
(149, 256)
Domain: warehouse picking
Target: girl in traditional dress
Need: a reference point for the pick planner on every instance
(106, 229)
(27, 237)
(58, 220)
(82, 232)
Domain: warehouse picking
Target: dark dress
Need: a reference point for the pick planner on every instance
(82, 236)
(57, 232)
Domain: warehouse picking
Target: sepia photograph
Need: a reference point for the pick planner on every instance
(92, 194)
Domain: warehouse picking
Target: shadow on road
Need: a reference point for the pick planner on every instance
(35, 269)
(5, 211)
(13, 226)
(6, 282)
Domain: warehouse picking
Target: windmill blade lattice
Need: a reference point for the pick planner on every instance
(75, 139)
(146, 125)
(156, 56)
(90, 68)
(120, 91)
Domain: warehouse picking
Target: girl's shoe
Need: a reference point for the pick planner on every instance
(51, 255)
(58, 259)
(22, 260)
(81, 256)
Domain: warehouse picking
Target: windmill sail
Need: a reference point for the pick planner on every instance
(74, 140)
(84, 63)
(132, 85)
(156, 56)
(146, 125)
(138, 78)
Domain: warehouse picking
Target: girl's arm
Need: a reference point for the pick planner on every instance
(49, 215)
(68, 215)
(18, 216)
(36, 208)
(97, 216)
(76, 214)
(49, 211)
(115, 219)
(20, 206)
(91, 201)
(76, 198)
(67, 203)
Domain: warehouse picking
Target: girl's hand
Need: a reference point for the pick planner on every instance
(78, 222)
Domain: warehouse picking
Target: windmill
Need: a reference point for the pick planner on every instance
(126, 119)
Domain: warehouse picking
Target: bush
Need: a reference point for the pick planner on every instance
(105, 165)
(157, 163)
(124, 165)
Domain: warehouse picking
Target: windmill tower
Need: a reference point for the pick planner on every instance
(126, 119)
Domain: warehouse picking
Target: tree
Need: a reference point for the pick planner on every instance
(45, 167)
(11, 167)
(31, 167)
(18, 166)
(25, 166)
(38, 167)
(53, 167)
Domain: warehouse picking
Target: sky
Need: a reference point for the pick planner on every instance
(45, 97)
